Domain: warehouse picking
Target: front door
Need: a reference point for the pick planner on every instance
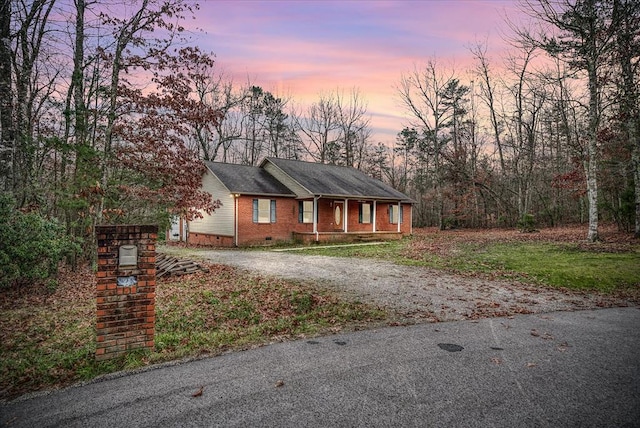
(338, 216)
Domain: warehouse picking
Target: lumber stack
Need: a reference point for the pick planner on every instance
(168, 265)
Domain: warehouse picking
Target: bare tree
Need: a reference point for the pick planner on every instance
(528, 98)
(320, 129)
(422, 94)
(488, 96)
(627, 57)
(32, 83)
(218, 92)
(581, 34)
(352, 119)
(6, 101)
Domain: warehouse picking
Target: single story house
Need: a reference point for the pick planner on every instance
(290, 200)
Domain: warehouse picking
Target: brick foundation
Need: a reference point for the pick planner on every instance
(126, 311)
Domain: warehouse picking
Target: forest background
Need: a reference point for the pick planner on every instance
(107, 112)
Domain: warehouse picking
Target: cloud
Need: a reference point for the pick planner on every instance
(305, 48)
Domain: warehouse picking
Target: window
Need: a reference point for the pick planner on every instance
(264, 211)
(393, 214)
(305, 212)
(364, 213)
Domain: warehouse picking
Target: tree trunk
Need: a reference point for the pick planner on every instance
(6, 100)
(636, 180)
(627, 14)
(592, 156)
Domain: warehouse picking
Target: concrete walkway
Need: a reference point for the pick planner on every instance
(560, 369)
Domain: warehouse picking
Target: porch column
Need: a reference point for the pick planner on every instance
(399, 207)
(374, 216)
(235, 218)
(345, 222)
(315, 217)
(411, 220)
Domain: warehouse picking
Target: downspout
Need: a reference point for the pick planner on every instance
(345, 221)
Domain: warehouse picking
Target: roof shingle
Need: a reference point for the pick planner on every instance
(333, 180)
(247, 179)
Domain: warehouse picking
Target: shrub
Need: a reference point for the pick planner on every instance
(527, 223)
(31, 246)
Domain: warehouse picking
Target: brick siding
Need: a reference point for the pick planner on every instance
(125, 314)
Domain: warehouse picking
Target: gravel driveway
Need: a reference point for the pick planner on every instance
(412, 292)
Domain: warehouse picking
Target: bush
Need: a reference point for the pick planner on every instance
(527, 223)
(31, 246)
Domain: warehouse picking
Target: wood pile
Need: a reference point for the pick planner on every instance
(167, 266)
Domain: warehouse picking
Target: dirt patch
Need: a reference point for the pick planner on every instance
(414, 292)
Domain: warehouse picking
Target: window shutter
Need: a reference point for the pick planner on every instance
(390, 210)
(300, 212)
(273, 211)
(359, 213)
(255, 210)
(401, 213)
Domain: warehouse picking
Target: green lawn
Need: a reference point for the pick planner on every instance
(563, 265)
(553, 264)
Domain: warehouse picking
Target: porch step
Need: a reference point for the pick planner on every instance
(366, 238)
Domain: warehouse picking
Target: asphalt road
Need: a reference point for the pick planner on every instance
(560, 369)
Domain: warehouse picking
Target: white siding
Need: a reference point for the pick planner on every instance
(283, 178)
(221, 221)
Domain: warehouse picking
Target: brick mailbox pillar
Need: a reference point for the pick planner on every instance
(126, 289)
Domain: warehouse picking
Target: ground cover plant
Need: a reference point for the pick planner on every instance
(557, 257)
(47, 337)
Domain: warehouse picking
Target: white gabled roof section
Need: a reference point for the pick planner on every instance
(286, 179)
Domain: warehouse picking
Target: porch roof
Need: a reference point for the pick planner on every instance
(246, 179)
(336, 181)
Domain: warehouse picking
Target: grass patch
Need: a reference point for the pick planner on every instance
(564, 265)
(47, 337)
(553, 264)
(388, 250)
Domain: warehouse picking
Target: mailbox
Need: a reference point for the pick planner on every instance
(128, 255)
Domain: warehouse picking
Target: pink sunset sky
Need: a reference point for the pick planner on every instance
(301, 49)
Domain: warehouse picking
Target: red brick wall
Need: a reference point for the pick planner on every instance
(354, 218)
(125, 314)
(383, 224)
(326, 217)
(250, 233)
(210, 240)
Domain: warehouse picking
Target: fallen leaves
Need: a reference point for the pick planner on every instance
(279, 383)
(545, 336)
(445, 243)
(198, 393)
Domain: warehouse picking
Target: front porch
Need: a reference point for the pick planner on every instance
(324, 237)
